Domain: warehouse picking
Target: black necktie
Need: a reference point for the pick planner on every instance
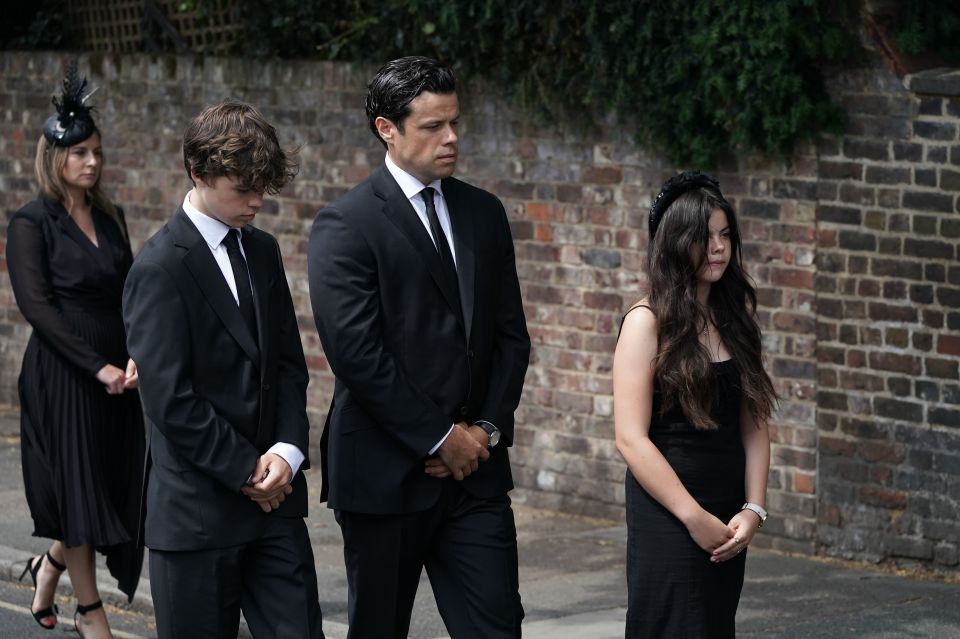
(439, 237)
(443, 248)
(242, 278)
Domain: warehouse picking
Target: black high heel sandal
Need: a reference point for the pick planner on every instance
(82, 610)
(34, 569)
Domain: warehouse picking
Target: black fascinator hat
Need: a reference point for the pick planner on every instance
(674, 188)
(72, 123)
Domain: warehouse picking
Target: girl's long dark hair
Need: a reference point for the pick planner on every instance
(682, 367)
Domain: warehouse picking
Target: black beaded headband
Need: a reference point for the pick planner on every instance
(674, 188)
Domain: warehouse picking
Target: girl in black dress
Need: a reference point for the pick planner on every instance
(691, 402)
(82, 435)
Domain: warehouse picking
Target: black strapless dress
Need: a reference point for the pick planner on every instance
(674, 591)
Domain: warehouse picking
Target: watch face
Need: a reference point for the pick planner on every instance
(494, 438)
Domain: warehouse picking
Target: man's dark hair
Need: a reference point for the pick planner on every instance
(398, 82)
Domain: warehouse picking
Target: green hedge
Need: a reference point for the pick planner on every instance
(697, 80)
(929, 25)
(694, 80)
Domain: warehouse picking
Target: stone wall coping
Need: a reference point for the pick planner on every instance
(939, 81)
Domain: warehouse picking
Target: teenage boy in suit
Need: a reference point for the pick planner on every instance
(211, 325)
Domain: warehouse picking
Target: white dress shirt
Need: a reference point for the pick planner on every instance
(214, 231)
(411, 188)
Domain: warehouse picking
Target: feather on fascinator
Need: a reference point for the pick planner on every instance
(674, 188)
(72, 123)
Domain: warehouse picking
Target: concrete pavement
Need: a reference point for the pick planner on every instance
(573, 583)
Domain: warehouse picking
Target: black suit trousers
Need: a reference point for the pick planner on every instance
(199, 594)
(469, 548)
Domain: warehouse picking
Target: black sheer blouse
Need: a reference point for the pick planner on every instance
(56, 271)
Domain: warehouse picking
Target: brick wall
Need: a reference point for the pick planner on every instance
(852, 243)
(888, 326)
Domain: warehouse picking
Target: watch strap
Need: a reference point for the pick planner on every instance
(758, 510)
(489, 429)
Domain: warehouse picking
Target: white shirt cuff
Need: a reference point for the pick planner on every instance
(290, 453)
(440, 443)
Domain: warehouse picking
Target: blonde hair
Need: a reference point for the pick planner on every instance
(48, 168)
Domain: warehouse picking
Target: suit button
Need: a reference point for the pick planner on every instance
(266, 387)
(463, 411)
(470, 353)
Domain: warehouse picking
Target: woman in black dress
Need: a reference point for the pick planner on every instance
(691, 401)
(82, 435)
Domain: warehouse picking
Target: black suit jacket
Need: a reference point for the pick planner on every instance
(411, 357)
(215, 396)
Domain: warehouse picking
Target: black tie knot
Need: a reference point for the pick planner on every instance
(232, 242)
(427, 195)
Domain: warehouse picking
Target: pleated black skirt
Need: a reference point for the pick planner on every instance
(83, 450)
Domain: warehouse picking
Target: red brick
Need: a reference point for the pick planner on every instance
(603, 175)
(896, 499)
(882, 475)
(948, 344)
(942, 368)
(868, 288)
(891, 313)
(577, 319)
(543, 233)
(540, 211)
(794, 322)
(804, 483)
(895, 363)
(863, 428)
(792, 278)
(841, 170)
(803, 459)
(603, 301)
(569, 193)
(827, 238)
(873, 451)
(837, 447)
(829, 514)
(859, 380)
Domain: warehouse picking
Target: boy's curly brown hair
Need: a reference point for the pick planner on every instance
(233, 139)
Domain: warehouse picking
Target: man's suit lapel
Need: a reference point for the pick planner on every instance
(400, 213)
(199, 261)
(462, 221)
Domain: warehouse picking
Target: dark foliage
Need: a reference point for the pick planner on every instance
(694, 79)
(697, 80)
(930, 25)
(32, 25)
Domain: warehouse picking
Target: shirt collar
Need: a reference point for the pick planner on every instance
(212, 230)
(410, 185)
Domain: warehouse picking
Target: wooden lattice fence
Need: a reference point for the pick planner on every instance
(123, 26)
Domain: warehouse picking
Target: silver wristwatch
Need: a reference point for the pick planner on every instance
(758, 510)
(493, 433)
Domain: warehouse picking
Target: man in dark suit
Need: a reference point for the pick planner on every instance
(211, 325)
(416, 299)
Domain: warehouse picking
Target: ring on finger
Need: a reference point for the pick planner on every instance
(736, 540)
